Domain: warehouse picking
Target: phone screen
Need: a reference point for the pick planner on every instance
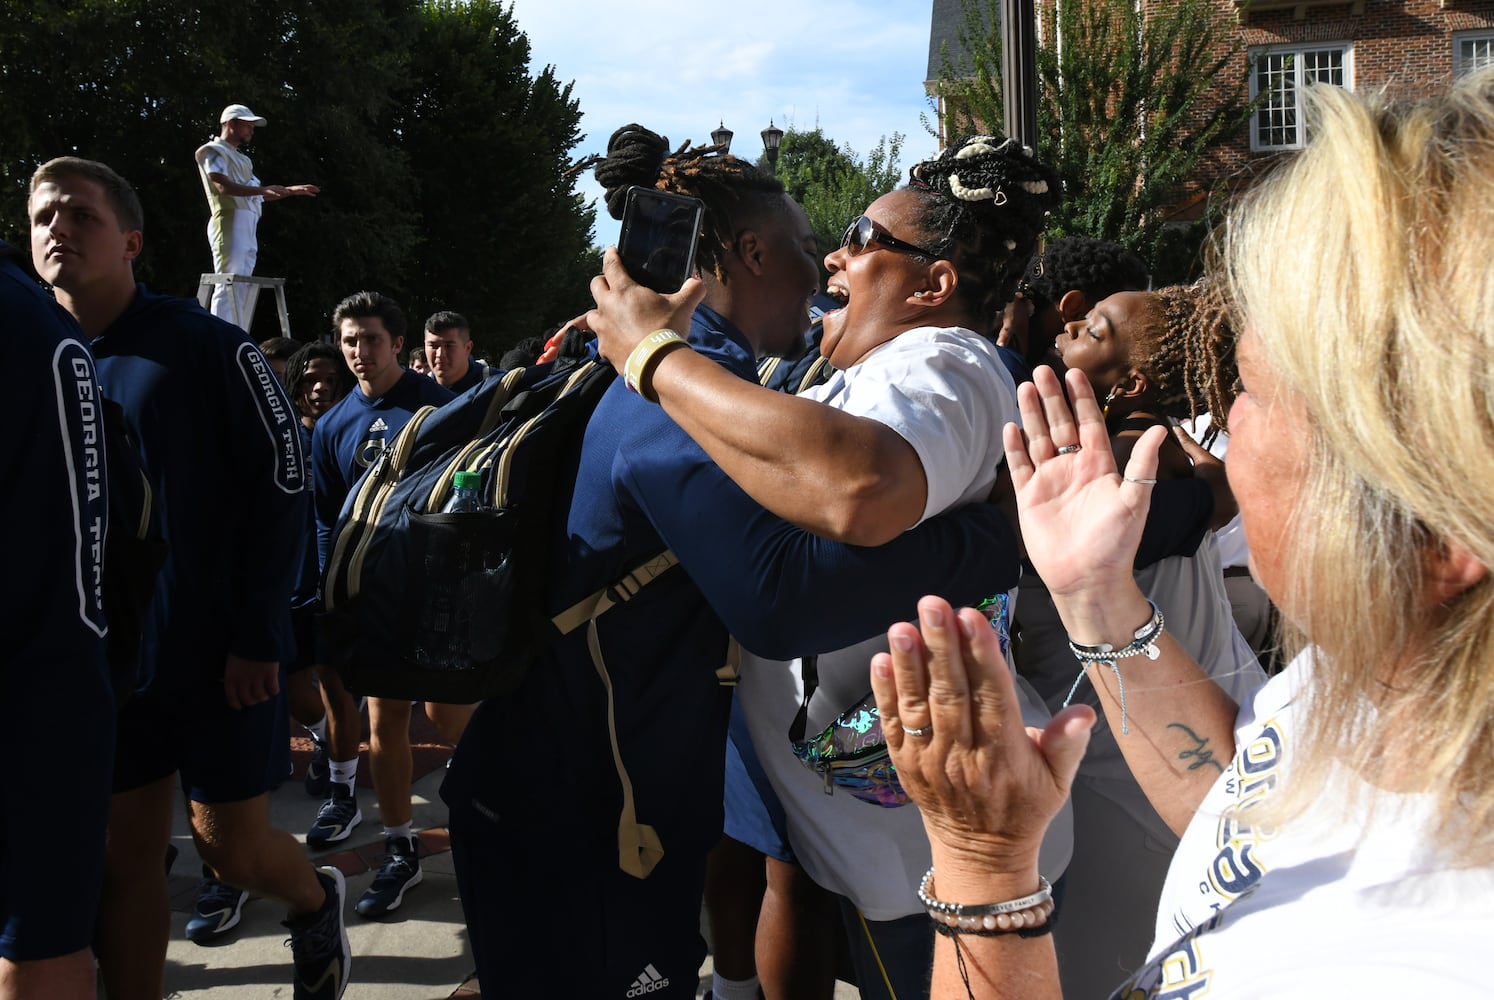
(657, 242)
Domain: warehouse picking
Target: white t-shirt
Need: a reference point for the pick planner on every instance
(947, 393)
(1234, 550)
(1319, 907)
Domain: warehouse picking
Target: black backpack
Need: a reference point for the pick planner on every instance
(429, 606)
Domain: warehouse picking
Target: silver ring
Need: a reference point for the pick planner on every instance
(927, 730)
(1068, 449)
(1142, 482)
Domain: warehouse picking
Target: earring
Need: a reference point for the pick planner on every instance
(919, 295)
(1105, 408)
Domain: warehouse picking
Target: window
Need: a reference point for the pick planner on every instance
(1472, 50)
(1280, 74)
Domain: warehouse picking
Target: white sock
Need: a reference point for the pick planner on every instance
(402, 831)
(733, 989)
(345, 771)
(319, 729)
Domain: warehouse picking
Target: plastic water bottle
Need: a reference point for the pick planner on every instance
(466, 493)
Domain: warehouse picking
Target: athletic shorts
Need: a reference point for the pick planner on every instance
(303, 630)
(535, 904)
(54, 812)
(223, 754)
(754, 814)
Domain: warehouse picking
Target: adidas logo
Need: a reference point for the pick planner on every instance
(378, 425)
(648, 982)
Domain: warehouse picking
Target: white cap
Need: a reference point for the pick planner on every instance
(240, 113)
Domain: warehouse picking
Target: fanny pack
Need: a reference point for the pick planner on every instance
(851, 753)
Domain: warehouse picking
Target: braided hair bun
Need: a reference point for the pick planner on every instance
(988, 202)
(729, 187)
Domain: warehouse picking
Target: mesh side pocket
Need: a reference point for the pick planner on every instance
(459, 584)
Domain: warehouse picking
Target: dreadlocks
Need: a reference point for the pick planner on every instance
(986, 201)
(731, 189)
(1187, 351)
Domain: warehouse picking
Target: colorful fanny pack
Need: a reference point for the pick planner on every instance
(851, 753)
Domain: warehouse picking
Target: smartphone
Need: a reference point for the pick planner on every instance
(657, 241)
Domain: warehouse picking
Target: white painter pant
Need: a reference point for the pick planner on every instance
(235, 249)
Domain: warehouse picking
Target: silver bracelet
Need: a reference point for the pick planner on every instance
(939, 907)
(1143, 643)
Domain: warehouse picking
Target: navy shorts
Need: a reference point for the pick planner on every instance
(537, 902)
(54, 812)
(754, 814)
(223, 754)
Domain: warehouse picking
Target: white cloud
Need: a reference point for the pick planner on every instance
(854, 67)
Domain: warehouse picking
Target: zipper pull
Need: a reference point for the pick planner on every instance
(829, 785)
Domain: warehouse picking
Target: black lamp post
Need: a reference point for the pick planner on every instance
(772, 136)
(721, 136)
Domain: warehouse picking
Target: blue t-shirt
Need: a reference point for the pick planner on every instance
(476, 372)
(350, 436)
(221, 445)
(641, 486)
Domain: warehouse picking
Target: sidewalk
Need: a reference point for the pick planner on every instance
(419, 953)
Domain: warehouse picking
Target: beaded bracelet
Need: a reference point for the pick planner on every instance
(645, 356)
(1013, 916)
(1143, 643)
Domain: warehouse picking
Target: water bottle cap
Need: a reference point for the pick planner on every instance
(467, 480)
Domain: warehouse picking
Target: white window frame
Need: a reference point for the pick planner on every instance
(1298, 49)
(1462, 66)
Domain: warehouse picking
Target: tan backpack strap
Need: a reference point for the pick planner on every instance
(595, 605)
(639, 849)
(731, 672)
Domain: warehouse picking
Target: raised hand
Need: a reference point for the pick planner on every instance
(1081, 521)
(627, 312)
(987, 785)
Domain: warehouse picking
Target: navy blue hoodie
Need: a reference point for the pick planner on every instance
(221, 444)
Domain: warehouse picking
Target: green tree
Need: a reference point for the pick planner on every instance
(1131, 99)
(502, 227)
(409, 207)
(832, 182)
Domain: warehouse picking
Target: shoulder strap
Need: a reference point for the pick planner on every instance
(809, 671)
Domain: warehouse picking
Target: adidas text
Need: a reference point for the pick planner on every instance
(649, 982)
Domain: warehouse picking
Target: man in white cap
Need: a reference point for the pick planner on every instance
(236, 197)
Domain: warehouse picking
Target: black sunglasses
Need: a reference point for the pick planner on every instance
(864, 232)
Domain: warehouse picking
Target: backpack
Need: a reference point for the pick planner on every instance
(430, 606)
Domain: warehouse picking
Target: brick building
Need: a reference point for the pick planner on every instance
(1290, 43)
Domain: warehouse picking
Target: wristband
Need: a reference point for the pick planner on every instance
(645, 356)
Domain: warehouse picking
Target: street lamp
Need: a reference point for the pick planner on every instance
(721, 136)
(772, 136)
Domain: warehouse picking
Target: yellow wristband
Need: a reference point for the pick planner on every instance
(645, 356)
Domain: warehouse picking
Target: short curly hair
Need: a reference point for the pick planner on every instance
(1098, 268)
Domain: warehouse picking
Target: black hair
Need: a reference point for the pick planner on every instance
(523, 354)
(985, 203)
(1098, 268)
(297, 363)
(279, 348)
(731, 189)
(444, 320)
(363, 304)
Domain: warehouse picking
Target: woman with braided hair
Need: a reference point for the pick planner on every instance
(906, 428)
(1150, 357)
(583, 804)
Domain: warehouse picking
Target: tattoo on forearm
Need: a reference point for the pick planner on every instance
(1199, 754)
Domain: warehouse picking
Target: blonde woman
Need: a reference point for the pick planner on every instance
(1348, 848)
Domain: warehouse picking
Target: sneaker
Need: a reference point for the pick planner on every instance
(336, 819)
(319, 770)
(319, 944)
(399, 872)
(217, 910)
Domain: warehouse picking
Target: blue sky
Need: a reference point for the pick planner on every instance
(854, 68)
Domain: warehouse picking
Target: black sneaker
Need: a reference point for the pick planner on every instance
(319, 944)
(319, 770)
(399, 872)
(336, 819)
(217, 910)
